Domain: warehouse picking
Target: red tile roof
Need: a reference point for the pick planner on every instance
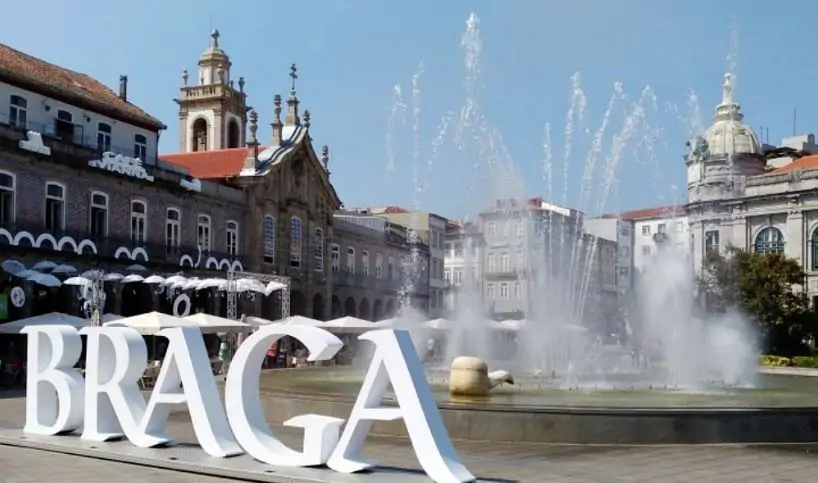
(395, 209)
(660, 212)
(807, 162)
(222, 163)
(36, 75)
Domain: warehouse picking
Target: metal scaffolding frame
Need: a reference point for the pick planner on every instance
(233, 294)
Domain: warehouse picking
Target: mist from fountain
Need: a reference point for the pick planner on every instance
(556, 262)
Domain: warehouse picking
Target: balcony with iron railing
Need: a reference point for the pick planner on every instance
(71, 146)
(85, 243)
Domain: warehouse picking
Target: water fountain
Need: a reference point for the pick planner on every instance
(567, 390)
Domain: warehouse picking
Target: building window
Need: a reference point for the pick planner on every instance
(232, 241)
(103, 137)
(365, 263)
(491, 291)
(139, 222)
(64, 126)
(335, 257)
(492, 263)
(645, 250)
(491, 228)
(662, 228)
(140, 147)
(769, 240)
(173, 229)
(54, 207)
(447, 276)
(503, 290)
(295, 242)
(520, 229)
(7, 198)
(269, 239)
(203, 232)
(711, 241)
(350, 262)
(680, 227)
(505, 263)
(378, 266)
(646, 230)
(518, 290)
(18, 112)
(318, 249)
(390, 268)
(458, 276)
(98, 216)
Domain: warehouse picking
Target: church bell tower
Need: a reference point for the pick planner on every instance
(212, 112)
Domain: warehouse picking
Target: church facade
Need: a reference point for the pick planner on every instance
(289, 225)
(741, 194)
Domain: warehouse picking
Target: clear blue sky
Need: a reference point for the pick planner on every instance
(351, 53)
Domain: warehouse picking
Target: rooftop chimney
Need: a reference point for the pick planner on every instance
(123, 87)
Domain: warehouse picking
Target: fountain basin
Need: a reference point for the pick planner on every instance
(782, 411)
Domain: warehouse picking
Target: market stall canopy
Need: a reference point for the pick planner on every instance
(152, 322)
(301, 320)
(213, 324)
(386, 323)
(53, 318)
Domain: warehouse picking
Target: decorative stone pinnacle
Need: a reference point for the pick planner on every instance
(307, 118)
(241, 84)
(214, 39)
(325, 156)
(253, 125)
(185, 77)
(727, 90)
(277, 109)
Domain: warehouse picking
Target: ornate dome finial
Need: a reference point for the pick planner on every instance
(727, 90)
(214, 39)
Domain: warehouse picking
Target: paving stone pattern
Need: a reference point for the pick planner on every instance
(491, 462)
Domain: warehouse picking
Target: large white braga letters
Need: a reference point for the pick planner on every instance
(108, 404)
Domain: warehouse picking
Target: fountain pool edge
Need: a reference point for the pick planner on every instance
(572, 424)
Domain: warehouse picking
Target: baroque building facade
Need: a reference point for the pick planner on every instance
(290, 227)
(752, 196)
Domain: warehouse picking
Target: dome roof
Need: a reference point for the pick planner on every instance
(214, 53)
(728, 134)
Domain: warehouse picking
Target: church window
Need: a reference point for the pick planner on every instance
(199, 135)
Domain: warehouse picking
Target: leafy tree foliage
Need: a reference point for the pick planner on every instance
(769, 288)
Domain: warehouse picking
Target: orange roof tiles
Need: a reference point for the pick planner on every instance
(30, 73)
(807, 162)
(660, 212)
(222, 163)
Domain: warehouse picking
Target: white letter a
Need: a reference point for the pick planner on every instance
(396, 361)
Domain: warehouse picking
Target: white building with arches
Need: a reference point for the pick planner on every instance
(752, 196)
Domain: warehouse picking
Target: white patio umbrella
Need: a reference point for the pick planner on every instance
(135, 268)
(152, 322)
(12, 267)
(191, 283)
(512, 324)
(258, 321)
(213, 324)
(44, 266)
(218, 283)
(132, 278)
(250, 285)
(175, 281)
(63, 270)
(78, 281)
(300, 320)
(349, 323)
(386, 323)
(45, 280)
(112, 277)
(273, 286)
(154, 279)
(53, 318)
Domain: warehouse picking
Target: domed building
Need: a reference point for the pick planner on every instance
(750, 195)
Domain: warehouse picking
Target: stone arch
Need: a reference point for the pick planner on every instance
(364, 311)
(199, 135)
(391, 308)
(377, 310)
(297, 303)
(350, 307)
(233, 136)
(318, 306)
(335, 307)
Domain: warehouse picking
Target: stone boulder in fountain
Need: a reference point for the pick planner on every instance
(470, 376)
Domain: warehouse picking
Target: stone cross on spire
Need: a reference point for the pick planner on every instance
(727, 90)
(293, 76)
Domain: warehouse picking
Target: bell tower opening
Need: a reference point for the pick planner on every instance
(233, 137)
(212, 109)
(198, 141)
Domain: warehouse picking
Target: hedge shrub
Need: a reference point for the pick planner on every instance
(810, 362)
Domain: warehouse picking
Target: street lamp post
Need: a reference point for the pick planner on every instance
(93, 295)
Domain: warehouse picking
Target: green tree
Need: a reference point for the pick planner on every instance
(768, 287)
